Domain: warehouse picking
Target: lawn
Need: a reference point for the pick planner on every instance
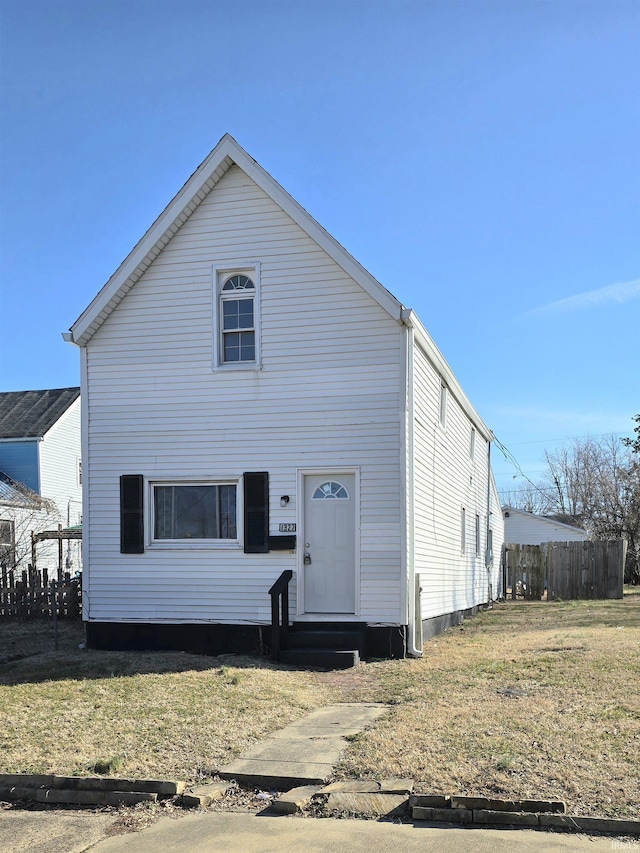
(524, 700)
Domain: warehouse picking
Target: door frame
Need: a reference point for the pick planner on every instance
(325, 470)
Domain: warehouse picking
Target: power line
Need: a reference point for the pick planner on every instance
(509, 457)
(568, 438)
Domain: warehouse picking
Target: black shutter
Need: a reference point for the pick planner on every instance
(256, 513)
(131, 514)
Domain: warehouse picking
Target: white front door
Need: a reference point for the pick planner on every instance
(329, 554)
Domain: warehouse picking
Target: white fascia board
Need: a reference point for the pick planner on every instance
(317, 233)
(226, 152)
(152, 243)
(426, 342)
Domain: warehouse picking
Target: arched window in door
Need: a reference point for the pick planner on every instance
(331, 490)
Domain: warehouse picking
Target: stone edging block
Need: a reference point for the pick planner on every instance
(204, 795)
(497, 817)
(79, 790)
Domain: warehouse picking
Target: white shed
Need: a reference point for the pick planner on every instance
(525, 528)
(255, 402)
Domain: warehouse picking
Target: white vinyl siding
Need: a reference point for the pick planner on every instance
(450, 490)
(59, 456)
(60, 453)
(328, 394)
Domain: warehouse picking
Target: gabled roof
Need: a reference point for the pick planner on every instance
(226, 153)
(31, 414)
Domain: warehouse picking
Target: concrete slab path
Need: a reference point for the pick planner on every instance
(303, 753)
(229, 832)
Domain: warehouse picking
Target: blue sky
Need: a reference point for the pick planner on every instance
(481, 159)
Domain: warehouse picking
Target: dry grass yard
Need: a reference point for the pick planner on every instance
(525, 700)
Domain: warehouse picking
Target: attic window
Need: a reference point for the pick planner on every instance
(237, 318)
(238, 327)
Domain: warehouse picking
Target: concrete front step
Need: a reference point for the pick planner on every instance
(321, 658)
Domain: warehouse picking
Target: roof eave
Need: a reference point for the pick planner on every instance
(446, 373)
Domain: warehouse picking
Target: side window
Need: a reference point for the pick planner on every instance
(463, 530)
(237, 318)
(472, 444)
(7, 544)
(477, 535)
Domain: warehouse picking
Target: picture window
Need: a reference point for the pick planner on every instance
(200, 511)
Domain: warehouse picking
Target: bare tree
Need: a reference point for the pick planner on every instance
(530, 498)
(596, 484)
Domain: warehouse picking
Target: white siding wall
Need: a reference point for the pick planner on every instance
(447, 480)
(59, 455)
(523, 528)
(328, 395)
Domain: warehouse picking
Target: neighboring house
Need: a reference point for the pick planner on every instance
(40, 472)
(525, 528)
(254, 401)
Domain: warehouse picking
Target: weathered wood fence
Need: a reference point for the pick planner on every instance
(566, 570)
(30, 595)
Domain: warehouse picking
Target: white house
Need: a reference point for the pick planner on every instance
(40, 473)
(254, 401)
(525, 528)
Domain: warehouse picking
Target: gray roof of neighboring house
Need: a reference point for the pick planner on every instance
(30, 414)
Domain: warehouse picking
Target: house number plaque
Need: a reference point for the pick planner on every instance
(287, 528)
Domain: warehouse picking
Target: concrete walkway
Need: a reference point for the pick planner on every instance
(228, 832)
(305, 752)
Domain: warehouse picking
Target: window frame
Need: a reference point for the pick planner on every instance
(194, 544)
(463, 530)
(442, 414)
(220, 275)
(9, 547)
(478, 535)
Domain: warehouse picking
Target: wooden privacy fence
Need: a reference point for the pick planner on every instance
(566, 570)
(30, 595)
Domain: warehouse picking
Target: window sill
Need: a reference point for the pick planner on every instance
(235, 366)
(195, 545)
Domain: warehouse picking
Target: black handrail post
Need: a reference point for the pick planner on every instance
(285, 617)
(280, 590)
(275, 627)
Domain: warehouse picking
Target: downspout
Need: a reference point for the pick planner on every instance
(412, 649)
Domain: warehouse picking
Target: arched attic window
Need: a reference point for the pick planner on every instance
(237, 311)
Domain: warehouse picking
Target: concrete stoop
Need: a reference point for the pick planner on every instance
(84, 791)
